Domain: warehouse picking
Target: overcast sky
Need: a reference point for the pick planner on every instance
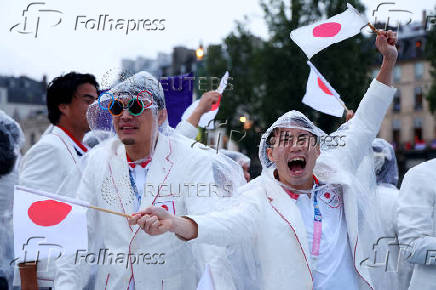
(61, 48)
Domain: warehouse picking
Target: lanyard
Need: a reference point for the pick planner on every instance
(135, 190)
(317, 227)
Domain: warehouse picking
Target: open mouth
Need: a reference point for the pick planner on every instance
(128, 128)
(296, 165)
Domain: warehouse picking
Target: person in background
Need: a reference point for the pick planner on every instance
(188, 127)
(387, 194)
(50, 163)
(243, 160)
(417, 223)
(11, 141)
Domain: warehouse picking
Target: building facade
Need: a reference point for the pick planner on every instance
(24, 99)
(409, 124)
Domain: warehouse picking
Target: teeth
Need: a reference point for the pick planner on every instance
(298, 159)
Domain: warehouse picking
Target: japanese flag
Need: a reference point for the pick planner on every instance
(314, 38)
(45, 228)
(207, 120)
(321, 96)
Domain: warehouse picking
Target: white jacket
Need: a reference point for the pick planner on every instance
(51, 165)
(186, 129)
(268, 219)
(106, 184)
(417, 223)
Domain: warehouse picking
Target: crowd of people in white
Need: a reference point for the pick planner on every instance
(311, 220)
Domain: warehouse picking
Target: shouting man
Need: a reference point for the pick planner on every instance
(310, 218)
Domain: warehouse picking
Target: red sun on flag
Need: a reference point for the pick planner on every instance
(323, 87)
(165, 207)
(48, 213)
(216, 105)
(329, 29)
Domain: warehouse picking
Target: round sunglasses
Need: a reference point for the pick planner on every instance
(135, 106)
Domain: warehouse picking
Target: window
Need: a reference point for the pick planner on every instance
(397, 73)
(417, 124)
(396, 126)
(419, 70)
(396, 105)
(418, 99)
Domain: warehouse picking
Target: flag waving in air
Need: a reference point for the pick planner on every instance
(314, 38)
(206, 121)
(42, 224)
(321, 96)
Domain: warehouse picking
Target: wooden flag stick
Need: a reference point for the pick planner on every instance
(343, 104)
(110, 211)
(69, 200)
(373, 28)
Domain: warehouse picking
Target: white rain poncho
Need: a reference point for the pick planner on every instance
(386, 175)
(385, 162)
(291, 119)
(134, 86)
(95, 137)
(236, 156)
(417, 223)
(370, 224)
(11, 140)
(226, 173)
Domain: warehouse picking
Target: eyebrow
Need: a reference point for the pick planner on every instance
(89, 96)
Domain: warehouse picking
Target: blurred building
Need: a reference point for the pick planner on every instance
(179, 62)
(24, 99)
(409, 125)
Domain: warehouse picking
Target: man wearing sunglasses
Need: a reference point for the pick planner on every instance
(48, 164)
(139, 168)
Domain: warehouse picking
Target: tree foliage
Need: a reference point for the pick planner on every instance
(269, 75)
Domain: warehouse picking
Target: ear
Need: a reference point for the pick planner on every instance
(269, 153)
(162, 116)
(64, 108)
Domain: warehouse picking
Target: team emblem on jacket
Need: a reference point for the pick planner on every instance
(331, 198)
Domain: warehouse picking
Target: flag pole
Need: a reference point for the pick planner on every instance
(342, 103)
(373, 28)
(110, 211)
(70, 200)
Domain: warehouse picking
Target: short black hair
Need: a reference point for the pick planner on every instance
(61, 91)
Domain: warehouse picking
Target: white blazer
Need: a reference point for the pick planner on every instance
(268, 219)
(417, 223)
(51, 165)
(176, 166)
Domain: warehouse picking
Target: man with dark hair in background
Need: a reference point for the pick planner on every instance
(49, 163)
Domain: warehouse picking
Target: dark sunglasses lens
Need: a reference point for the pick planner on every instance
(116, 107)
(135, 107)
